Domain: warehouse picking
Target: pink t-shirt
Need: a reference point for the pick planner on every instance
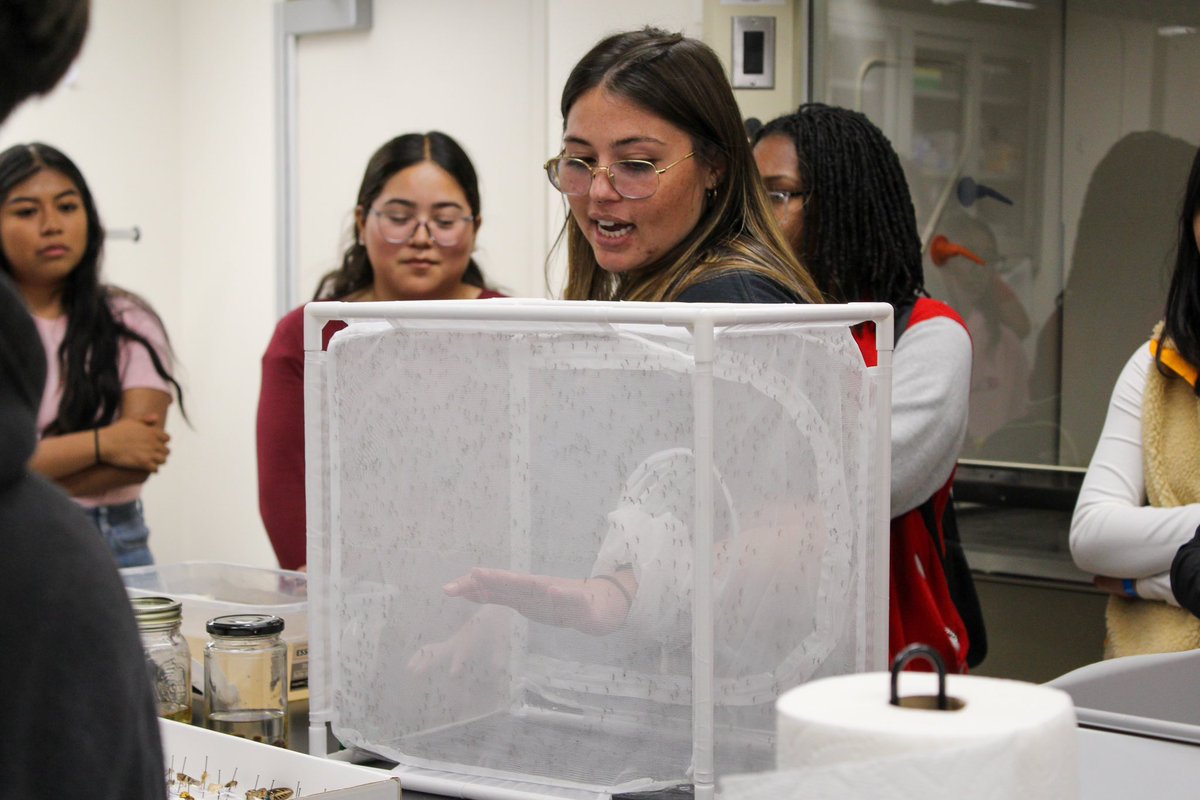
(133, 365)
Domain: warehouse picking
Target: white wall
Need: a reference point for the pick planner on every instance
(358, 90)
(172, 120)
(225, 272)
(791, 52)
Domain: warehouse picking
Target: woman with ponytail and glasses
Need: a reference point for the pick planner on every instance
(109, 382)
(415, 223)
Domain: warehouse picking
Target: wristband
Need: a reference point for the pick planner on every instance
(619, 585)
(96, 439)
(1129, 587)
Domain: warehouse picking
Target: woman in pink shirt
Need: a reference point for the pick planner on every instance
(108, 383)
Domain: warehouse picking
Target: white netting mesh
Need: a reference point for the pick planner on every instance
(567, 450)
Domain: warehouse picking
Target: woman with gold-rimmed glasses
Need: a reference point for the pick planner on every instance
(665, 205)
(415, 222)
(664, 199)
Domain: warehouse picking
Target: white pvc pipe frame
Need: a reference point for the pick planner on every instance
(702, 320)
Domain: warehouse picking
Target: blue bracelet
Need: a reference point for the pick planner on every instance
(1129, 587)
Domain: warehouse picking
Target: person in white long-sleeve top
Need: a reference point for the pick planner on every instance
(841, 198)
(1140, 500)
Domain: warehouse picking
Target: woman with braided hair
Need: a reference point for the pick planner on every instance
(840, 195)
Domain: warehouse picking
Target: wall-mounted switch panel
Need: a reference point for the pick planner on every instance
(753, 53)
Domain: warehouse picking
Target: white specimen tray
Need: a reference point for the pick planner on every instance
(189, 748)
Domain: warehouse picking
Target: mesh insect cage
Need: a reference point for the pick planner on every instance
(579, 549)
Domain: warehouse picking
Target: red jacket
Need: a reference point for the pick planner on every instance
(921, 608)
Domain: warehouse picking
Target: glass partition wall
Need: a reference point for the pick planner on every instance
(1051, 139)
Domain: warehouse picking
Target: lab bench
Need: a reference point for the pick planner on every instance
(1044, 618)
(1112, 765)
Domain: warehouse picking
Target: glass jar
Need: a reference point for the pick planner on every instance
(168, 658)
(245, 678)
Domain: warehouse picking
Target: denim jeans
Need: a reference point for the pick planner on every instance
(124, 530)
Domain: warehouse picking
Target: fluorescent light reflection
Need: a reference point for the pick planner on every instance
(1021, 4)
(1009, 4)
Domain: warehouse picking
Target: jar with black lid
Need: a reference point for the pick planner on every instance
(245, 678)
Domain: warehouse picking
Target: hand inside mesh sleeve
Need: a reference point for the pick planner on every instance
(595, 606)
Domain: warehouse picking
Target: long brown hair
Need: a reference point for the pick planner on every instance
(681, 81)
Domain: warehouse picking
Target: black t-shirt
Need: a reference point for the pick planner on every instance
(78, 718)
(738, 286)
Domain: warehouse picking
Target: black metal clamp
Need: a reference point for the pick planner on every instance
(943, 703)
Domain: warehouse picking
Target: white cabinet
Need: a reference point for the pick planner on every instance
(958, 97)
(967, 94)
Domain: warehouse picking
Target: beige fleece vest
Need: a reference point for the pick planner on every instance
(1170, 437)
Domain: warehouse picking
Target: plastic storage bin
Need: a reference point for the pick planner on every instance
(730, 463)
(1150, 695)
(210, 589)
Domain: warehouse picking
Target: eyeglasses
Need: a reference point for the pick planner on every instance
(779, 199)
(632, 179)
(399, 228)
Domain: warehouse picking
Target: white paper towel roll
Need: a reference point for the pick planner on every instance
(840, 737)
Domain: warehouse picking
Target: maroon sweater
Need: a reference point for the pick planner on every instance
(280, 436)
